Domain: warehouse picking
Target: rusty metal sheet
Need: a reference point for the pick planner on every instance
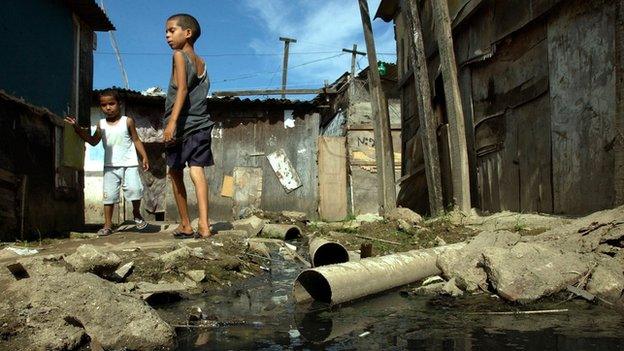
(285, 172)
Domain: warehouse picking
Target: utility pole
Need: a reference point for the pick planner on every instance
(459, 153)
(354, 54)
(428, 121)
(113, 41)
(287, 42)
(386, 189)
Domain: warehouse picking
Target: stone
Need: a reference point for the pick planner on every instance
(527, 272)
(252, 225)
(368, 217)
(71, 304)
(123, 272)
(197, 276)
(440, 288)
(464, 265)
(89, 258)
(259, 248)
(404, 225)
(234, 232)
(607, 280)
(295, 215)
(172, 258)
(401, 213)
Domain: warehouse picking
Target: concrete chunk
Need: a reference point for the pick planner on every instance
(607, 280)
(252, 225)
(464, 265)
(404, 214)
(89, 258)
(196, 275)
(530, 271)
(123, 272)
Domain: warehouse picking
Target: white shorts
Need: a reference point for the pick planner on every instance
(125, 177)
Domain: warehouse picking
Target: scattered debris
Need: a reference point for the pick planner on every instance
(89, 258)
(123, 272)
(295, 216)
(403, 214)
(196, 275)
(21, 251)
(580, 292)
(252, 225)
(376, 239)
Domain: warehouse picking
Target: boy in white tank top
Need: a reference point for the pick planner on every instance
(121, 143)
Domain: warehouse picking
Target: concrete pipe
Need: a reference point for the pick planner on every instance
(324, 252)
(348, 281)
(281, 231)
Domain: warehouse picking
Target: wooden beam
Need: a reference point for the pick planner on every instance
(386, 189)
(459, 154)
(274, 92)
(428, 121)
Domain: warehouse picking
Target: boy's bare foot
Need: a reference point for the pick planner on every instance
(184, 230)
(204, 231)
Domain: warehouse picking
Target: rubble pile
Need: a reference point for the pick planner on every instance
(585, 256)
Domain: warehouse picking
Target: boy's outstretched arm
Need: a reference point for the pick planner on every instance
(84, 134)
(138, 144)
(179, 74)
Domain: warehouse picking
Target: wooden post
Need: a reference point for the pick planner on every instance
(386, 189)
(287, 42)
(428, 121)
(459, 154)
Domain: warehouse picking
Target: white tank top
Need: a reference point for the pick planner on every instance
(119, 149)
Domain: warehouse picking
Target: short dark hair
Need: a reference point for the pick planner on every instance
(187, 21)
(114, 93)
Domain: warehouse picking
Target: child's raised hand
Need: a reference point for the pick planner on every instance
(71, 120)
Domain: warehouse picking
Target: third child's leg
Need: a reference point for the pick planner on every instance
(201, 189)
(136, 209)
(179, 194)
(108, 215)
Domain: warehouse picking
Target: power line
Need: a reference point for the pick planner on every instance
(227, 54)
(256, 74)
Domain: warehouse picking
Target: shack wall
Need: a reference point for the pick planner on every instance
(538, 81)
(30, 198)
(243, 139)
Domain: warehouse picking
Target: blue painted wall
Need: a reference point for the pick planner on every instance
(37, 55)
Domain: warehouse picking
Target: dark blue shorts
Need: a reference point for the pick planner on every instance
(194, 150)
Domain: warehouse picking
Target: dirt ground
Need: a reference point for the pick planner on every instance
(227, 261)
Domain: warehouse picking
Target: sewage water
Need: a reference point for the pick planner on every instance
(261, 316)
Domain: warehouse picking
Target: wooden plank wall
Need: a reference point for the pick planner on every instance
(538, 83)
(581, 40)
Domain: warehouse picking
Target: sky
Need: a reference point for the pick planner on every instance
(239, 42)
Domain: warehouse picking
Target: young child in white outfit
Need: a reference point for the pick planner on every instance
(121, 164)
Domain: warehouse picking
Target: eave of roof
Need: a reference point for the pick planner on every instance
(91, 13)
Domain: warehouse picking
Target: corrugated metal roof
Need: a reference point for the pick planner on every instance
(91, 13)
(387, 10)
(133, 95)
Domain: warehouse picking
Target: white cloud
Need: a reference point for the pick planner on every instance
(319, 26)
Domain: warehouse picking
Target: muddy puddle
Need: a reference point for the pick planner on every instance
(259, 315)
